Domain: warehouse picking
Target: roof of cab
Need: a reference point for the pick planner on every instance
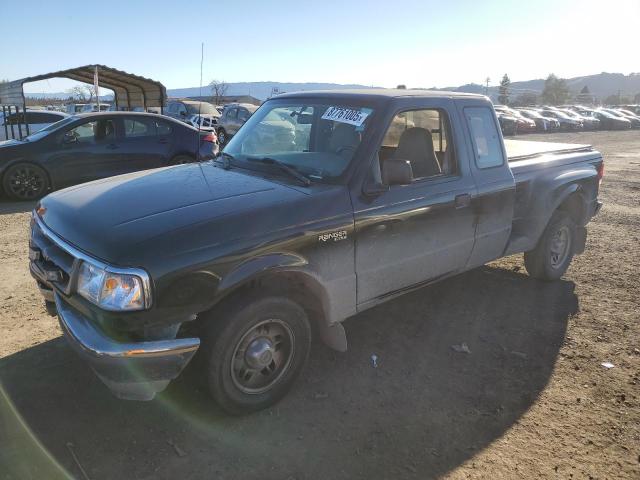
(379, 93)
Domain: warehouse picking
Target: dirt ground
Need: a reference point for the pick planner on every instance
(530, 400)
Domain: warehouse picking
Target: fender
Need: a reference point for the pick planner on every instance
(556, 192)
(331, 331)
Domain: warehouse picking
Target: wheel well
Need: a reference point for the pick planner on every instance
(300, 287)
(574, 206)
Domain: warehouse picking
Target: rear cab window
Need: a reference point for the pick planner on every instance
(487, 147)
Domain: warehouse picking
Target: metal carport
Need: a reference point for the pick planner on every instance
(131, 91)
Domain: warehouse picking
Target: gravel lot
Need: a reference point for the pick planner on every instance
(530, 400)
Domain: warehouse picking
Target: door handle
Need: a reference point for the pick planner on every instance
(163, 141)
(112, 146)
(463, 200)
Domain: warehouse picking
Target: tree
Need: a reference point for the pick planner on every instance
(616, 100)
(525, 100)
(82, 93)
(555, 90)
(218, 90)
(503, 91)
(585, 95)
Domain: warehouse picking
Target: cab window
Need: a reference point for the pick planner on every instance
(422, 138)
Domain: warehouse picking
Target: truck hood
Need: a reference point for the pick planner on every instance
(117, 219)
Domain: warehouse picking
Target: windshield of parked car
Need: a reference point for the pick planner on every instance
(203, 108)
(51, 128)
(316, 139)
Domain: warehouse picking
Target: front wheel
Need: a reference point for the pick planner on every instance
(554, 252)
(255, 352)
(25, 181)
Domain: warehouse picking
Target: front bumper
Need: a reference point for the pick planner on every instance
(131, 370)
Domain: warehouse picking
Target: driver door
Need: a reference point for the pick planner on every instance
(85, 152)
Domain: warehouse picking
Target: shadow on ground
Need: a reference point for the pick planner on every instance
(425, 410)
(8, 206)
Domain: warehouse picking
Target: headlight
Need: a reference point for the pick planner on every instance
(111, 291)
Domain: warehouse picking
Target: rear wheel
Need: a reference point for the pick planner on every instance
(25, 181)
(554, 252)
(255, 351)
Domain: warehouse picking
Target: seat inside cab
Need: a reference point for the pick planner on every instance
(420, 137)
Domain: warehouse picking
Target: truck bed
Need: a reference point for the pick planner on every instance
(524, 149)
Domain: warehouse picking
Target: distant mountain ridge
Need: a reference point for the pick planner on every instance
(601, 85)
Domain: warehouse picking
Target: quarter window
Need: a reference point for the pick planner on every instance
(486, 140)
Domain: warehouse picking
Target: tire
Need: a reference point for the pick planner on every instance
(25, 181)
(554, 252)
(180, 160)
(222, 137)
(275, 335)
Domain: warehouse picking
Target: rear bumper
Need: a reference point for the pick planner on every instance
(131, 370)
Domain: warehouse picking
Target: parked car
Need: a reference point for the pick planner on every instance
(611, 122)
(508, 123)
(92, 107)
(635, 120)
(524, 124)
(589, 122)
(567, 123)
(89, 146)
(14, 124)
(543, 124)
(73, 108)
(238, 258)
(191, 111)
(233, 117)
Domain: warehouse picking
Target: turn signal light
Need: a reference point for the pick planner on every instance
(600, 170)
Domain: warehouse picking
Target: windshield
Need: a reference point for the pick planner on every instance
(317, 139)
(204, 108)
(45, 131)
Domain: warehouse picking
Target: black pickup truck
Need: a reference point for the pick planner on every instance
(323, 204)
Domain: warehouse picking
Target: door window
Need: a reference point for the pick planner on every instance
(243, 114)
(93, 132)
(421, 137)
(485, 137)
(139, 127)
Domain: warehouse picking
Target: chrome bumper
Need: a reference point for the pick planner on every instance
(132, 371)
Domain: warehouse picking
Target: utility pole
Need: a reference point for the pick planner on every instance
(486, 88)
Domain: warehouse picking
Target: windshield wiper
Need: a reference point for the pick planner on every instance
(284, 167)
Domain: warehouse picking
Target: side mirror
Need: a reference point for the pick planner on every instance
(396, 171)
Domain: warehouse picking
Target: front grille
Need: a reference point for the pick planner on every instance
(53, 264)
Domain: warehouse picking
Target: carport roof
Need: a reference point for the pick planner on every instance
(130, 90)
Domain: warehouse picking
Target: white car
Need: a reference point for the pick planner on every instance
(37, 120)
(204, 122)
(92, 107)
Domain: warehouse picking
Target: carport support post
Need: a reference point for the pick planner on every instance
(24, 113)
(20, 123)
(13, 133)
(5, 116)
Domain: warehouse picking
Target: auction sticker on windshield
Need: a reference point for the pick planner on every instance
(346, 115)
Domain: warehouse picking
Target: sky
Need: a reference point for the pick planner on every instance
(419, 43)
